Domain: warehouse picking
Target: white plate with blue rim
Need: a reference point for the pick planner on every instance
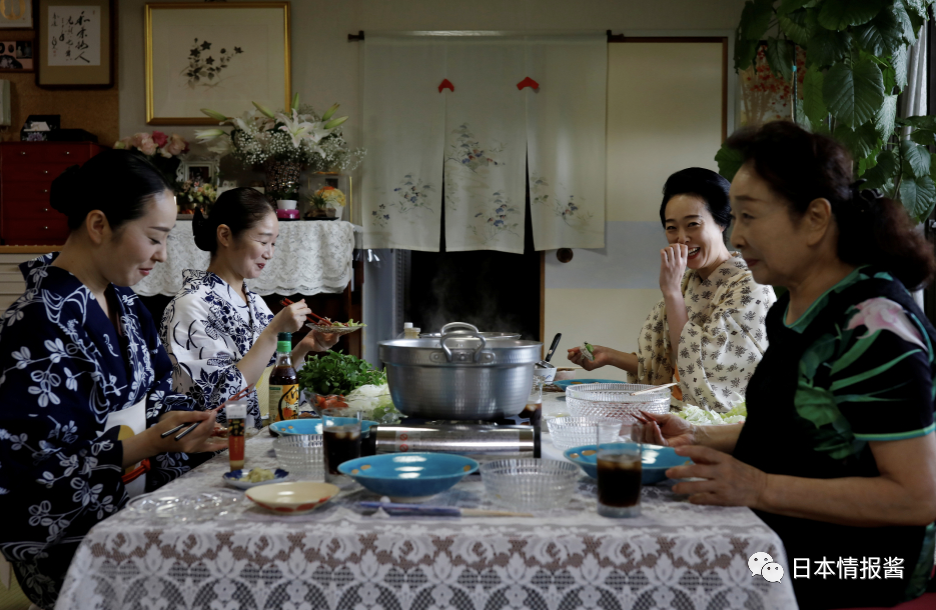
(238, 478)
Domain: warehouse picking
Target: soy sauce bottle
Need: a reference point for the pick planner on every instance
(284, 384)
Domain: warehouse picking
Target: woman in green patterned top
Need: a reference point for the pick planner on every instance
(838, 453)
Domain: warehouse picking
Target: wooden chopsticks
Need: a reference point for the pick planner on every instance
(237, 396)
(320, 319)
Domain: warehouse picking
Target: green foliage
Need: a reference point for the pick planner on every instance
(853, 93)
(337, 373)
(917, 195)
(729, 162)
(780, 57)
(856, 65)
(839, 14)
(882, 35)
(916, 157)
(797, 26)
(885, 117)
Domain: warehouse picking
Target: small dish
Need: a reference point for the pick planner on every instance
(292, 498)
(409, 477)
(654, 464)
(565, 383)
(238, 478)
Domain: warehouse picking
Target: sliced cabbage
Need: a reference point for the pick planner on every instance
(376, 403)
(697, 415)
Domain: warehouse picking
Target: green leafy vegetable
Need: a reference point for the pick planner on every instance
(696, 415)
(337, 373)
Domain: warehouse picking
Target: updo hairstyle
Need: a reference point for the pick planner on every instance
(800, 167)
(119, 183)
(702, 183)
(240, 209)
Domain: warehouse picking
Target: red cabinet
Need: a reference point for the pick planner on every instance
(27, 170)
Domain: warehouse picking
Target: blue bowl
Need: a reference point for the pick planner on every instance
(656, 460)
(314, 425)
(567, 382)
(409, 477)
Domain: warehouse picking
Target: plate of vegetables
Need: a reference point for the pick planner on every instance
(336, 328)
(245, 479)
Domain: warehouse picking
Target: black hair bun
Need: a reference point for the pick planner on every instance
(205, 232)
(67, 193)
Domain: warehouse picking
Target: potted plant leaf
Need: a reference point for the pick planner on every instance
(856, 66)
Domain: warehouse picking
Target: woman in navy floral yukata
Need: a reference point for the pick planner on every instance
(84, 381)
(220, 335)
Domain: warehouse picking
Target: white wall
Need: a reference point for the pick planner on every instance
(326, 65)
(326, 69)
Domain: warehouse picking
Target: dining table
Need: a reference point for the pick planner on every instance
(241, 556)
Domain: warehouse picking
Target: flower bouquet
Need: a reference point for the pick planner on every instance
(283, 142)
(194, 194)
(163, 151)
(327, 201)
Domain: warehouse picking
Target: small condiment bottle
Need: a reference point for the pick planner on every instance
(236, 412)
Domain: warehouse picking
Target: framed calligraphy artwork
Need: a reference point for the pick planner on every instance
(221, 56)
(16, 14)
(76, 44)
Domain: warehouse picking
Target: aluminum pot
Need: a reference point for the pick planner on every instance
(460, 376)
(487, 335)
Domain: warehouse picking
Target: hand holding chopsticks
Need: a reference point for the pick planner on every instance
(313, 317)
(182, 435)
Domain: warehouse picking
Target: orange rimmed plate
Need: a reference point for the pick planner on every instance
(292, 498)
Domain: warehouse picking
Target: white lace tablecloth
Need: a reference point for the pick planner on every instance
(311, 257)
(676, 555)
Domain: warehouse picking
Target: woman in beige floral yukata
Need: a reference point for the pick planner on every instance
(712, 310)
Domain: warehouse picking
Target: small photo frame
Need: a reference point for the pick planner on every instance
(342, 182)
(201, 168)
(16, 56)
(199, 172)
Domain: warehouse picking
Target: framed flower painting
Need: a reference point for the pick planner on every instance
(218, 56)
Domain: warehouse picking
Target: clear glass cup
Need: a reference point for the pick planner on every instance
(619, 475)
(341, 441)
(533, 410)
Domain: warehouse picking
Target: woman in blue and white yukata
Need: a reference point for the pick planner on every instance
(84, 381)
(220, 335)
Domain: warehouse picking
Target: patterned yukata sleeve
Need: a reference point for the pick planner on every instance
(882, 364)
(719, 350)
(203, 358)
(59, 475)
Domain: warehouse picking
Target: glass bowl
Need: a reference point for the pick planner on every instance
(615, 400)
(568, 432)
(530, 483)
(186, 506)
(300, 454)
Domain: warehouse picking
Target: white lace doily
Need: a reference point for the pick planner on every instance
(311, 257)
(676, 555)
